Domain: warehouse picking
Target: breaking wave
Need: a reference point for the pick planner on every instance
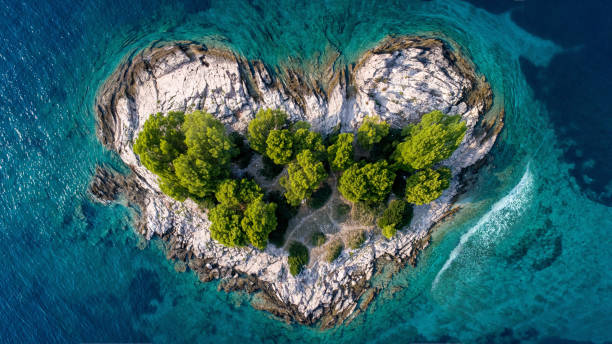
(502, 216)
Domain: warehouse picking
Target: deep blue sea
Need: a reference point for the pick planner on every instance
(529, 259)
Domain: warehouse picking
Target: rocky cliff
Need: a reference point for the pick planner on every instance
(400, 80)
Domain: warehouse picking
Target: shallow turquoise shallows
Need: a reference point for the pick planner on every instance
(527, 259)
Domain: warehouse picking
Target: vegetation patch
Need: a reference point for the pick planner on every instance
(355, 239)
(427, 185)
(341, 153)
(298, 258)
(304, 177)
(397, 215)
(372, 131)
(242, 216)
(333, 250)
(192, 155)
(370, 183)
(318, 239)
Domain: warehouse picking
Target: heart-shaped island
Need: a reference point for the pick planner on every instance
(328, 239)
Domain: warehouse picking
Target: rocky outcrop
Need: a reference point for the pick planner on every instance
(400, 80)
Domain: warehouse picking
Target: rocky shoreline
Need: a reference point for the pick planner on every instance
(399, 80)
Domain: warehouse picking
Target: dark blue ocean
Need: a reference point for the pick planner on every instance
(527, 260)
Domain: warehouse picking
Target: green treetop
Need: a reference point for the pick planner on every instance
(158, 145)
(283, 145)
(372, 131)
(160, 142)
(209, 152)
(279, 146)
(340, 154)
(427, 185)
(242, 216)
(260, 127)
(237, 194)
(304, 139)
(397, 215)
(430, 141)
(225, 225)
(369, 183)
(258, 221)
(304, 177)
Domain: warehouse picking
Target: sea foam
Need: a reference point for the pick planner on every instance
(496, 221)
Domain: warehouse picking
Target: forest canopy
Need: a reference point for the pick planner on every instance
(195, 157)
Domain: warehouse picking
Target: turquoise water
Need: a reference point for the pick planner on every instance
(528, 259)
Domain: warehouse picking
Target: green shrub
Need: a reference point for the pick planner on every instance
(298, 257)
(225, 226)
(209, 152)
(258, 221)
(372, 131)
(304, 139)
(389, 231)
(320, 197)
(369, 183)
(318, 239)
(356, 239)
(333, 251)
(430, 141)
(427, 185)
(158, 145)
(160, 142)
(397, 215)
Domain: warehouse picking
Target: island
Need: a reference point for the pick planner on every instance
(297, 188)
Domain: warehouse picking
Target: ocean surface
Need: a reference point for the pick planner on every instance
(528, 259)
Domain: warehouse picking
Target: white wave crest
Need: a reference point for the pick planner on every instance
(501, 216)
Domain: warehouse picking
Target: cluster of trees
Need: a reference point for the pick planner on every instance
(390, 156)
(370, 183)
(427, 143)
(296, 146)
(191, 154)
(242, 216)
